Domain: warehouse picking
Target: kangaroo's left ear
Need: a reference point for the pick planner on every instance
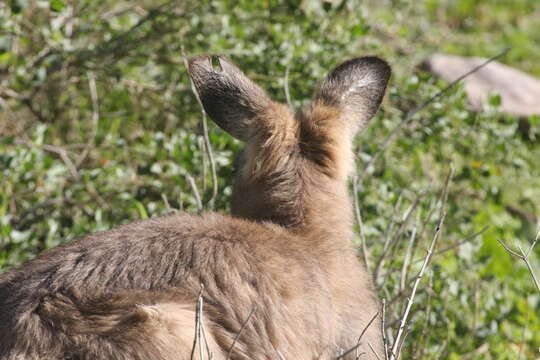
(232, 100)
(356, 87)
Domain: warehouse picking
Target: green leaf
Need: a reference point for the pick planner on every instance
(142, 211)
(57, 5)
(8, 140)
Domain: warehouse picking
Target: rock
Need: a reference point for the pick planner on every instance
(520, 92)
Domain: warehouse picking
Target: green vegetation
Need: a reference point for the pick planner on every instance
(99, 127)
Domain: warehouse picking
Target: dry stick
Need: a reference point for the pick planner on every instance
(229, 353)
(342, 355)
(407, 332)
(415, 245)
(387, 240)
(423, 335)
(193, 185)
(198, 313)
(210, 355)
(464, 241)
(199, 329)
(408, 117)
(286, 86)
(408, 256)
(525, 257)
(374, 352)
(469, 238)
(360, 223)
(65, 158)
(201, 144)
(95, 118)
(396, 347)
(207, 145)
(383, 319)
(166, 202)
(200, 326)
(397, 235)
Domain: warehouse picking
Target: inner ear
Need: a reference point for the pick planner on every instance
(228, 96)
(356, 87)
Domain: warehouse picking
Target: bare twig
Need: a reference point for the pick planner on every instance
(358, 342)
(464, 241)
(65, 158)
(407, 331)
(397, 343)
(286, 86)
(193, 185)
(229, 353)
(198, 311)
(374, 352)
(95, 118)
(358, 217)
(420, 344)
(387, 241)
(407, 260)
(525, 257)
(410, 114)
(383, 319)
(396, 236)
(199, 330)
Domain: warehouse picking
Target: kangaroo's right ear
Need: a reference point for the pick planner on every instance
(357, 88)
(228, 96)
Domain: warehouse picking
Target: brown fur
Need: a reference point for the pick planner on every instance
(285, 254)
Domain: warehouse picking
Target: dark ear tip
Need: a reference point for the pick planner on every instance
(199, 59)
(374, 63)
(381, 64)
(198, 63)
(211, 63)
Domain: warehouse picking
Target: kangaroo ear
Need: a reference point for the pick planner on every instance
(231, 99)
(356, 87)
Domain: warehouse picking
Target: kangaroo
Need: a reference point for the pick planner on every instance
(278, 279)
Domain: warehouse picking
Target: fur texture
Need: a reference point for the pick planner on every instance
(285, 255)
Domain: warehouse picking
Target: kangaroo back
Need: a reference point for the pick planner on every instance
(279, 279)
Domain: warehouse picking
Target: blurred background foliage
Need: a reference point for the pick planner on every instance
(99, 127)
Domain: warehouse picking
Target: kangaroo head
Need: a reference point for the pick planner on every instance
(294, 168)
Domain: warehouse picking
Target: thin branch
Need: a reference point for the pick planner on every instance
(286, 86)
(410, 114)
(397, 343)
(193, 185)
(402, 342)
(524, 256)
(407, 260)
(229, 353)
(64, 156)
(396, 236)
(358, 342)
(464, 241)
(387, 241)
(374, 352)
(198, 321)
(358, 217)
(383, 319)
(423, 335)
(95, 118)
